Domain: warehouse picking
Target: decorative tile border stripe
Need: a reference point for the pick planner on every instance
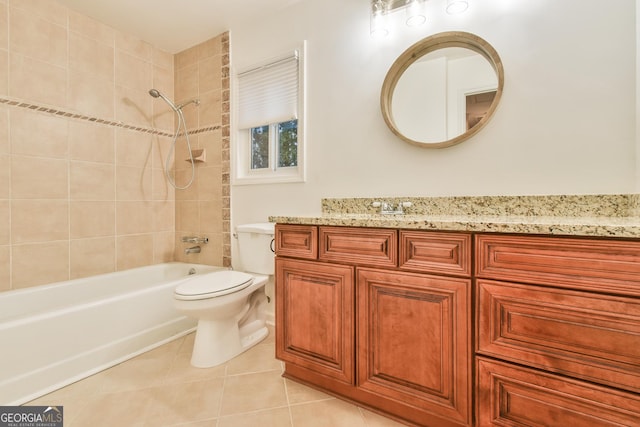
(226, 156)
(77, 116)
(203, 130)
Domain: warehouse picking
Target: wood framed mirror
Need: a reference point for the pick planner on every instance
(442, 90)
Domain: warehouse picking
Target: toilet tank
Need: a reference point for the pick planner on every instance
(255, 247)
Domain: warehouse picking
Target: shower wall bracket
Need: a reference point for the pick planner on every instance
(199, 156)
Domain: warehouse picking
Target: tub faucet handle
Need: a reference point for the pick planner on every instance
(195, 239)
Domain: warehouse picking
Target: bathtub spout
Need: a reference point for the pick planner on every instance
(192, 250)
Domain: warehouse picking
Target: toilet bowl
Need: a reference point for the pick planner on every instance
(227, 302)
(222, 303)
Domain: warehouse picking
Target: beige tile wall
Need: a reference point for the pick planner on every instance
(82, 147)
(203, 209)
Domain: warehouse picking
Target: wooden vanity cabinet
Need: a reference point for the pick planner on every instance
(383, 318)
(558, 331)
(356, 323)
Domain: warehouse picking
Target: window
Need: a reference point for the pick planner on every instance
(278, 141)
(269, 144)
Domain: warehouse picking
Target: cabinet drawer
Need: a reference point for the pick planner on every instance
(599, 265)
(589, 336)
(359, 246)
(514, 396)
(297, 241)
(435, 252)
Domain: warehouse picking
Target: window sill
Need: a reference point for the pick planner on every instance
(273, 179)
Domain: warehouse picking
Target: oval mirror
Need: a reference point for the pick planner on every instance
(442, 90)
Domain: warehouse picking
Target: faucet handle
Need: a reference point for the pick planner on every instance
(194, 239)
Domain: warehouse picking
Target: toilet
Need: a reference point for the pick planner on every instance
(227, 302)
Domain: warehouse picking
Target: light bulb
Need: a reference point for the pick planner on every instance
(415, 13)
(456, 6)
(379, 24)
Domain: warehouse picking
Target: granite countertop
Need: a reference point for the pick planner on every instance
(599, 215)
(575, 226)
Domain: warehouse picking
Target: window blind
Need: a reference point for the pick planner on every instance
(269, 94)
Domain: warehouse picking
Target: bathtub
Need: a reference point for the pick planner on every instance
(54, 335)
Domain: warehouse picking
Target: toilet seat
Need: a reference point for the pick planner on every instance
(212, 285)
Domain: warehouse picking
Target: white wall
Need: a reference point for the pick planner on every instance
(637, 95)
(566, 122)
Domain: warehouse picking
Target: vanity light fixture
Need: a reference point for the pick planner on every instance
(415, 11)
(379, 18)
(457, 6)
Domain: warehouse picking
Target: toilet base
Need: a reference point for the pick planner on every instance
(217, 342)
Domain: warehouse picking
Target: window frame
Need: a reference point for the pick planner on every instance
(241, 173)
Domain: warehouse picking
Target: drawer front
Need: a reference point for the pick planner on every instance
(297, 241)
(589, 336)
(514, 396)
(435, 252)
(376, 247)
(608, 266)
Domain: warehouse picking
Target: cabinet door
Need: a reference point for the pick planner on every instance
(315, 317)
(414, 341)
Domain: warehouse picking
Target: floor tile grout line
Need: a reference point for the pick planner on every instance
(308, 402)
(364, 419)
(251, 372)
(224, 383)
(173, 363)
(286, 393)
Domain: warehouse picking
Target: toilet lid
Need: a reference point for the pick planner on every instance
(214, 284)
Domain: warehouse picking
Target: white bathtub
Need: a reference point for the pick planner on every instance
(54, 335)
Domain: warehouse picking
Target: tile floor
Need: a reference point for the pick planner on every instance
(160, 388)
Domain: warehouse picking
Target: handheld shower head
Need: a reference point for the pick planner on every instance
(157, 94)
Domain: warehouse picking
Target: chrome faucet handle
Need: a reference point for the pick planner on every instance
(387, 208)
(400, 207)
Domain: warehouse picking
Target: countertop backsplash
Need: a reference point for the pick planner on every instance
(615, 205)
